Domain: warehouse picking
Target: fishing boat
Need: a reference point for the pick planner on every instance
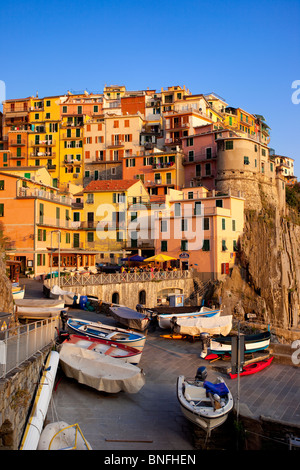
(41, 402)
(164, 319)
(18, 293)
(253, 368)
(205, 404)
(253, 343)
(106, 347)
(37, 313)
(62, 436)
(214, 325)
(130, 318)
(99, 371)
(40, 303)
(112, 333)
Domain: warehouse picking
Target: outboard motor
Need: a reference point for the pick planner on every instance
(173, 323)
(64, 318)
(201, 374)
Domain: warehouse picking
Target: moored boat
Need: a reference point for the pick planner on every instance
(205, 404)
(130, 318)
(109, 332)
(253, 343)
(253, 368)
(106, 347)
(18, 293)
(164, 319)
(61, 436)
(40, 406)
(101, 372)
(214, 325)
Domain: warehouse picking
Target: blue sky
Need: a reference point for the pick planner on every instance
(247, 52)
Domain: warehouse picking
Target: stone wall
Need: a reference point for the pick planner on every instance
(17, 392)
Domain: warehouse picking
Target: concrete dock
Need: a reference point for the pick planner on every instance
(151, 420)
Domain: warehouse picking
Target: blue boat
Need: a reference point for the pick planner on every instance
(164, 319)
(101, 331)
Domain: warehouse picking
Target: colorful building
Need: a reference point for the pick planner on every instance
(201, 228)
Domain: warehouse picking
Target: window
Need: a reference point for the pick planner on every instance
(184, 225)
(76, 216)
(90, 237)
(164, 245)
(48, 103)
(271, 166)
(76, 240)
(95, 109)
(184, 245)
(177, 209)
(1, 185)
(219, 202)
(206, 245)
(234, 245)
(229, 145)
(47, 115)
(65, 109)
(190, 195)
(206, 223)
(246, 161)
(197, 209)
(263, 152)
(208, 152)
(68, 238)
(189, 142)
(233, 226)
(198, 171)
(223, 224)
(207, 169)
(191, 155)
(5, 157)
(163, 225)
(1, 210)
(224, 247)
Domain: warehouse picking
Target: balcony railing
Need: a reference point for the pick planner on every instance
(41, 194)
(17, 142)
(42, 143)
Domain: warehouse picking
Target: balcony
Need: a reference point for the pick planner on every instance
(22, 155)
(51, 167)
(116, 144)
(164, 166)
(41, 194)
(17, 143)
(43, 154)
(43, 143)
(72, 137)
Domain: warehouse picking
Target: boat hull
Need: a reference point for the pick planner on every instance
(164, 320)
(103, 373)
(18, 294)
(202, 414)
(212, 325)
(102, 331)
(253, 368)
(61, 436)
(107, 348)
(253, 343)
(38, 413)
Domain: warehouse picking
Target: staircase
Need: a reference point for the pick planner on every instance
(199, 291)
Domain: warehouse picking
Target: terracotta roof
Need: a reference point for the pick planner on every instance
(109, 185)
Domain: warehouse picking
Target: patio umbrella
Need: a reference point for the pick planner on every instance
(160, 258)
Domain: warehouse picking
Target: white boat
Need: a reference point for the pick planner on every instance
(204, 403)
(164, 320)
(39, 409)
(38, 313)
(216, 325)
(101, 372)
(41, 303)
(62, 436)
(18, 293)
(58, 293)
(109, 332)
(106, 347)
(253, 343)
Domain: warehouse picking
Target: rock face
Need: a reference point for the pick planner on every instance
(266, 278)
(6, 298)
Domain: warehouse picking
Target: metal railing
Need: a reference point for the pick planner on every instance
(20, 343)
(103, 278)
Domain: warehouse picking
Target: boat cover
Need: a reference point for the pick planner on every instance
(195, 326)
(39, 303)
(219, 388)
(129, 317)
(104, 373)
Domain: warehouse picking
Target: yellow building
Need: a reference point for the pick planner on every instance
(241, 121)
(110, 208)
(44, 135)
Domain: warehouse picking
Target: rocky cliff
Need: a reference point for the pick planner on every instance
(6, 298)
(264, 285)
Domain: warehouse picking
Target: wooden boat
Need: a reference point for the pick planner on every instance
(41, 303)
(253, 343)
(39, 409)
(130, 318)
(112, 333)
(214, 325)
(18, 293)
(164, 320)
(253, 368)
(36, 313)
(61, 436)
(106, 347)
(204, 403)
(101, 372)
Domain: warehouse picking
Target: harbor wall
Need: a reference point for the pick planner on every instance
(17, 391)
